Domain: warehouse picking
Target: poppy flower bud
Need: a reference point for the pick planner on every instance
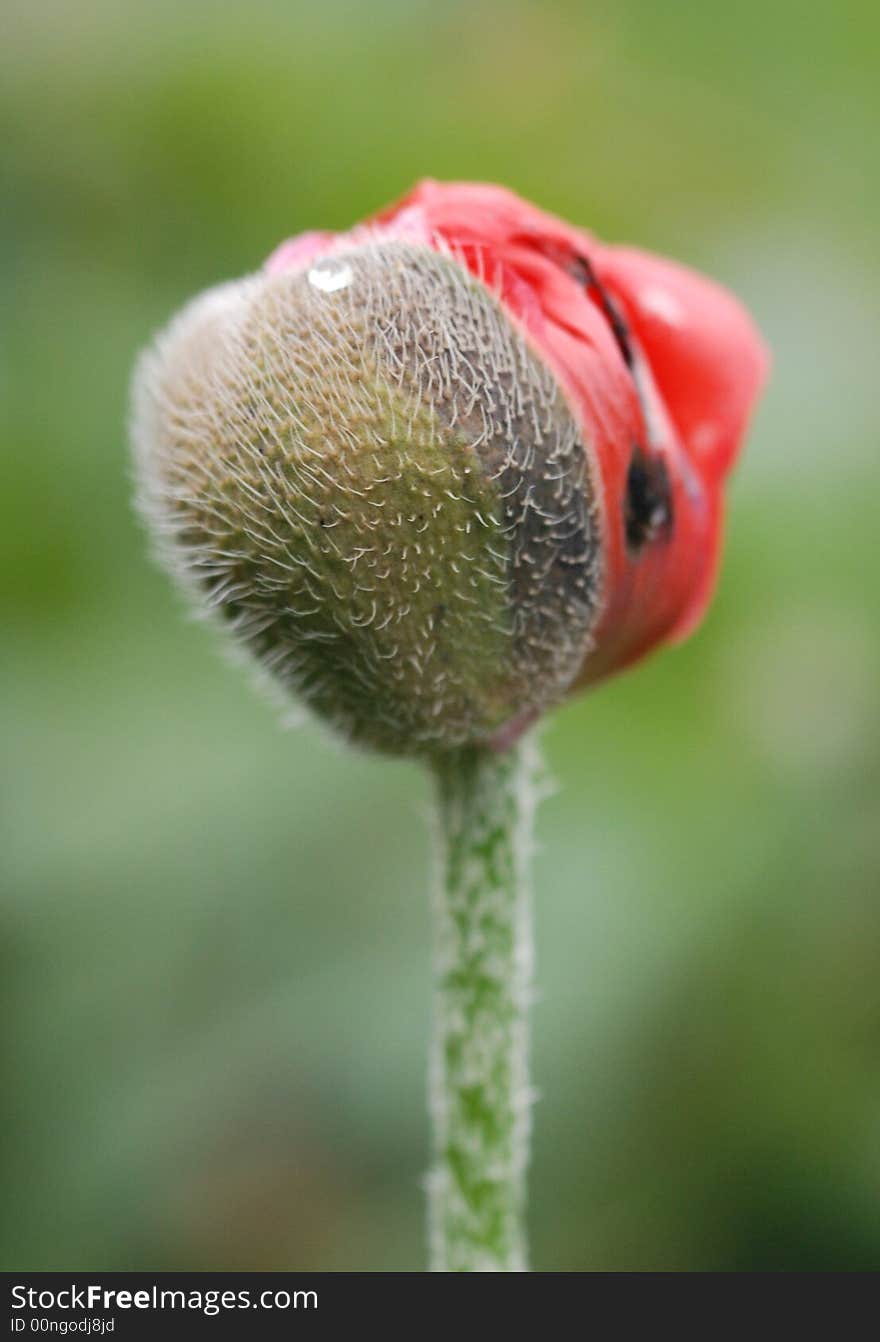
(427, 471)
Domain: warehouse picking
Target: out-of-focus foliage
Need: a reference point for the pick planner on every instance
(214, 961)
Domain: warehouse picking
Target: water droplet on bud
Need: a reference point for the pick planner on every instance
(329, 274)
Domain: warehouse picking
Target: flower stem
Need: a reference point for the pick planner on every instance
(479, 1091)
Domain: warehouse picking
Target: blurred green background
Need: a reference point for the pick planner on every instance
(214, 959)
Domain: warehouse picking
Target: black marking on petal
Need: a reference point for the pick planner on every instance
(584, 272)
(647, 505)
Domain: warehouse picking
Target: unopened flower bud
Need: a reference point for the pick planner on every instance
(424, 473)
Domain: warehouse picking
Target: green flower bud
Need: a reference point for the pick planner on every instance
(365, 469)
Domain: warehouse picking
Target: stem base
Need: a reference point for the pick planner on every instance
(479, 1092)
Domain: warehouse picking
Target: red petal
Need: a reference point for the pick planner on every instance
(706, 356)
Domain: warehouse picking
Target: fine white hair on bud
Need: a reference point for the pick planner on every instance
(366, 470)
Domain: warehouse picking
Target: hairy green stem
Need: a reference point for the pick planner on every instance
(479, 1089)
